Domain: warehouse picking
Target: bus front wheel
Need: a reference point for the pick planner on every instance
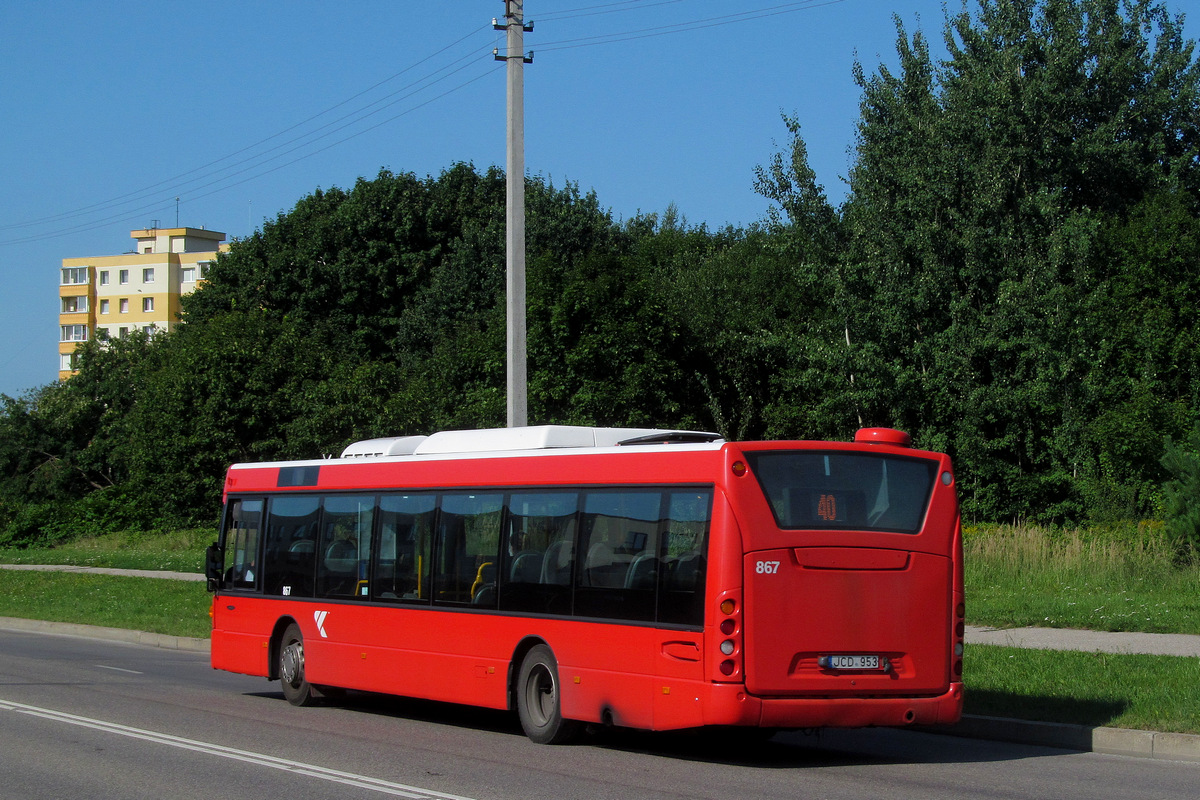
(539, 704)
(291, 668)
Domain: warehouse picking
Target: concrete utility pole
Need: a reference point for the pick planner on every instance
(518, 414)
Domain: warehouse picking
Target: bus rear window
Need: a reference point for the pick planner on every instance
(833, 490)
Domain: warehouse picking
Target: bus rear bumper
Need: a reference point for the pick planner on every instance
(733, 706)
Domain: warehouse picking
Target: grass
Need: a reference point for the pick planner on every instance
(177, 608)
(176, 551)
(1155, 693)
(1116, 578)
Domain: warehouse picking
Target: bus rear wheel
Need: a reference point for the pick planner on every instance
(539, 704)
(296, 687)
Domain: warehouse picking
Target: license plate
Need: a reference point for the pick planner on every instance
(852, 662)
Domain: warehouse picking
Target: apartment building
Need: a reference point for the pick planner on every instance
(110, 296)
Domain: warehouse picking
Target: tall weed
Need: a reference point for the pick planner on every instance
(1113, 577)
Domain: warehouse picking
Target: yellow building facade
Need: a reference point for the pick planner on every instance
(107, 297)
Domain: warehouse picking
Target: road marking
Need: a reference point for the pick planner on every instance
(119, 669)
(295, 767)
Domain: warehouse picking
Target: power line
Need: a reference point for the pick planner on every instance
(685, 27)
(219, 174)
(206, 170)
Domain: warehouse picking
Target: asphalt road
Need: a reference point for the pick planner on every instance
(91, 718)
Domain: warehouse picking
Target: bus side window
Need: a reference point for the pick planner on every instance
(685, 539)
(345, 546)
(241, 543)
(617, 574)
(539, 529)
(405, 540)
(468, 548)
(290, 551)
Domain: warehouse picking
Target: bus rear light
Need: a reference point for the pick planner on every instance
(958, 669)
(727, 606)
(960, 610)
(727, 647)
(958, 649)
(960, 629)
(728, 667)
(738, 468)
(728, 626)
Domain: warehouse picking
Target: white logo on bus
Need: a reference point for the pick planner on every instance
(319, 618)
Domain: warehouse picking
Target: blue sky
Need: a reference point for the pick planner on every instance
(112, 110)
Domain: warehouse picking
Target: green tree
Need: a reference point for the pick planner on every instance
(980, 197)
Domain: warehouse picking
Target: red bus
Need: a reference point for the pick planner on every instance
(640, 578)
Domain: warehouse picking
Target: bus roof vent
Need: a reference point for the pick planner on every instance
(540, 437)
(390, 446)
(673, 437)
(883, 436)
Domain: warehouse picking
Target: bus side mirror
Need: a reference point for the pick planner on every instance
(214, 562)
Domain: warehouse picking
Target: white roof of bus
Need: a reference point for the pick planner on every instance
(493, 440)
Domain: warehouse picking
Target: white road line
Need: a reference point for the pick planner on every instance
(295, 767)
(119, 669)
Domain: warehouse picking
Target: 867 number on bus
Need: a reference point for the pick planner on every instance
(766, 567)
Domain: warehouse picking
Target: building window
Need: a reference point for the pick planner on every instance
(147, 304)
(187, 275)
(103, 306)
(66, 362)
(148, 248)
(104, 277)
(123, 276)
(148, 330)
(124, 305)
(148, 275)
(123, 332)
(74, 305)
(72, 276)
(74, 333)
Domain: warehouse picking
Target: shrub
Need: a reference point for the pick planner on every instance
(1182, 494)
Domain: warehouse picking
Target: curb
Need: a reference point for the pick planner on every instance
(1084, 738)
(161, 640)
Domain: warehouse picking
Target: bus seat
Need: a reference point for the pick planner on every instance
(303, 546)
(556, 565)
(341, 558)
(641, 572)
(485, 576)
(526, 568)
(687, 570)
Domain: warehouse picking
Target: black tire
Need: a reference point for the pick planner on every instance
(539, 704)
(296, 687)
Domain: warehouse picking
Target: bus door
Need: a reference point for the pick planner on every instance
(858, 600)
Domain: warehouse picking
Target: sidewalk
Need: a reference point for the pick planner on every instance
(136, 573)
(1155, 644)
(1111, 741)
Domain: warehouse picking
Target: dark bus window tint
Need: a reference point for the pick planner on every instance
(468, 547)
(345, 545)
(242, 525)
(685, 538)
(291, 545)
(405, 543)
(617, 569)
(816, 490)
(539, 538)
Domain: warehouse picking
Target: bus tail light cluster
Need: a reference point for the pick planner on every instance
(960, 631)
(729, 624)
